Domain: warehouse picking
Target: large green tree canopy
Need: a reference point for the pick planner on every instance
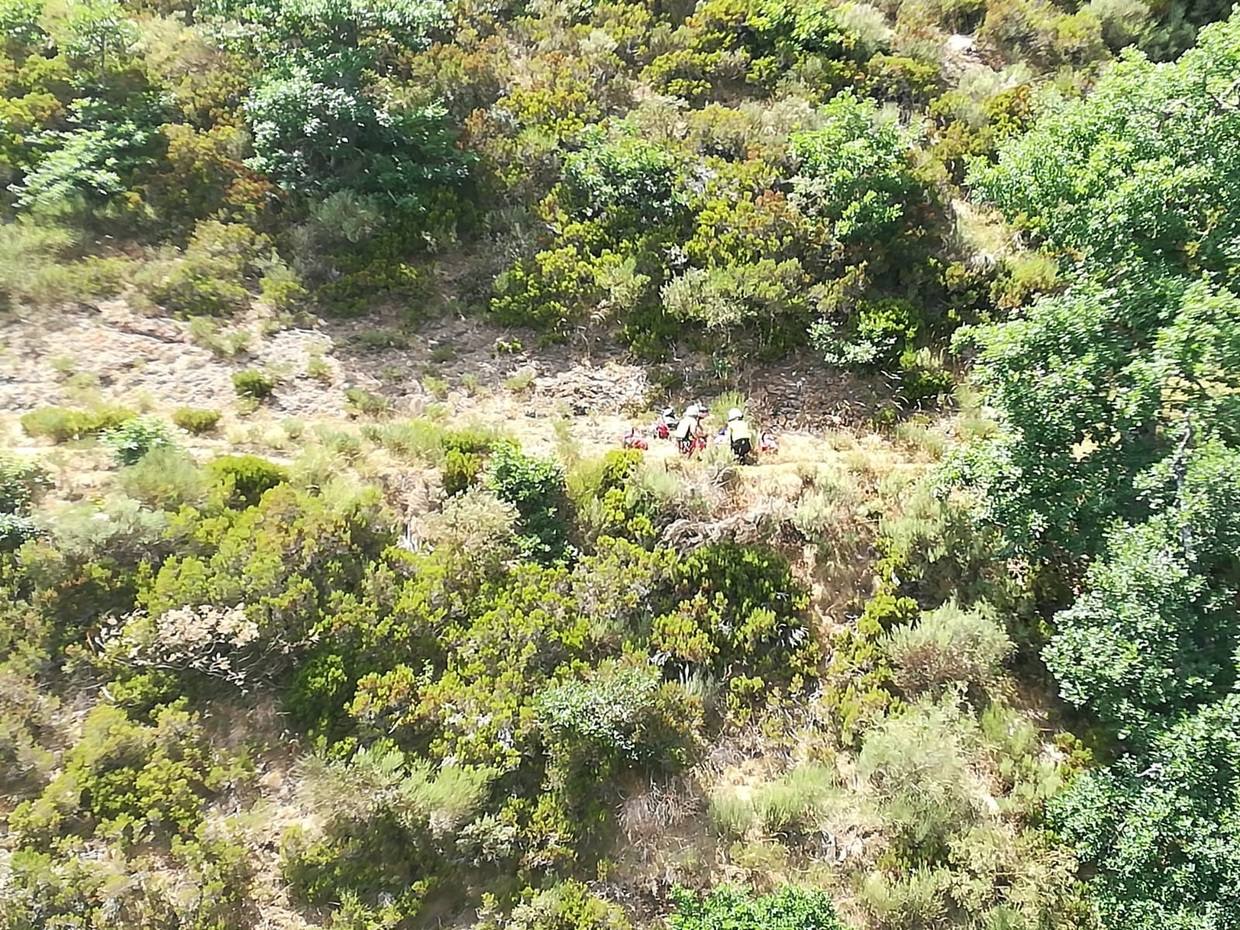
(1118, 468)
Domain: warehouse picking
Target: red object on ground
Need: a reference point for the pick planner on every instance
(692, 447)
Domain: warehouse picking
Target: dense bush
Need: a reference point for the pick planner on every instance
(213, 275)
(125, 780)
(15, 529)
(855, 176)
(253, 384)
(315, 136)
(947, 645)
(22, 481)
(196, 420)
(243, 479)
(567, 904)
(536, 488)
(618, 716)
(1154, 200)
(165, 478)
(135, 438)
(790, 908)
(60, 424)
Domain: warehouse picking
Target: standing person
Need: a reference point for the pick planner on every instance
(740, 436)
(689, 435)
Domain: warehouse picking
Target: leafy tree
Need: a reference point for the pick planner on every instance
(1161, 829)
(1117, 470)
(854, 175)
(340, 35)
(1143, 169)
(97, 36)
(1154, 635)
(536, 488)
(94, 163)
(317, 136)
(623, 183)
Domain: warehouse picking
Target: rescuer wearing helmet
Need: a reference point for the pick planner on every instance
(665, 425)
(689, 435)
(740, 437)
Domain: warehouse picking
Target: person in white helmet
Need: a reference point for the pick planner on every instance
(740, 436)
(689, 434)
(665, 425)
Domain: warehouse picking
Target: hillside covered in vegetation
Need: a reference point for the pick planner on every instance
(328, 598)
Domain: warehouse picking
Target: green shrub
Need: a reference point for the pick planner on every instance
(720, 406)
(366, 402)
(16, 529)
(387, 821)
(859, 678)
(793, 803)
(29, 265)
(568, 905)
(536, 488)
(916, 767)
(619, 715)
(253, 384)
(374, 340)
(436, 387)
(742, 609)
(522, 382)
(213, 275)
(871, 339)
(116, 529)
(923, 377)
(476, 531)
(22, 482)
(135, 438)
(318, 368)
(196, 420)
(948, 645)
(241, 480)
(909, 82)
(206, 332)
(124, 779)
(166, 478)
(61, 424)
(729, 908)
(460, 470)
(920, 898)
(474, 440)
(281, 288)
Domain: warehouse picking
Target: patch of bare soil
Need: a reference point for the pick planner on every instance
(61, 356)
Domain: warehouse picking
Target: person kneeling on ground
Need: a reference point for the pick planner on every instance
(666, 424)
(689, 435)
(740, 437)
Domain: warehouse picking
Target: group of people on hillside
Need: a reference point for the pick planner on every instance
(690, 435)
